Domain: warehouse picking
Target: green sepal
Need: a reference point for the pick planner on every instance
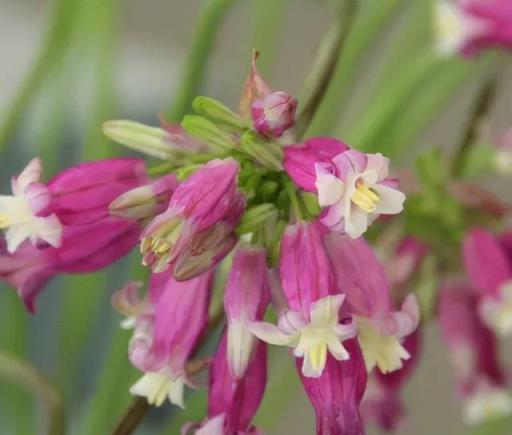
(268, 154)
(206, 131)
(255, 217)
(218, 113)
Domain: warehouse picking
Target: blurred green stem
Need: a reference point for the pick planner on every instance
(367, 26)
(20, 372)
(54, 47)
(483, 105)
(334, 39)
(199, 55)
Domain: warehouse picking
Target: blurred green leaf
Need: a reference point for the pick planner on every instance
(498, 426)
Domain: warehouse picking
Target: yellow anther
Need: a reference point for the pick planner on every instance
(4, 221)
(365, 198)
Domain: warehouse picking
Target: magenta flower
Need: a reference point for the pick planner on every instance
(82, 194)
(272, 112)
(246, 298)
(196, 231)
(312, 324)
(363, 280)
(382, 404)
(233, 402)
(167, 327)
(30, 268)
(474, 354)
(470, 26)
(337, 393)
(25, 215)
(354, 187)
(490, 269)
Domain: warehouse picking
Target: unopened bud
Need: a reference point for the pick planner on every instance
(267, 153)
(273, 114)
(218, 113)
(206, 131)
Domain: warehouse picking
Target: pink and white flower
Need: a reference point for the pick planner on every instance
(313, 323)
(354, 187)
(362, 278)
(470, 26)
(24, 215)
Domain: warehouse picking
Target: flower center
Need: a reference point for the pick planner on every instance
(365, 198)
(161, 243)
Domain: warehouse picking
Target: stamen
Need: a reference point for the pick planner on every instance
(4, 220)
(365, 198)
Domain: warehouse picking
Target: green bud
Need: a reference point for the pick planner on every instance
(206, 131)
(267, 153)
(218, 113)
(268, 190)
(255, 217)
(274, 245)
(152, 141)
(310, 200)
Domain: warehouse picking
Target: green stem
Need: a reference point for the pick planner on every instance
(23, 373)
(334, 40)
(294, 199)
(199, 56)
(482, 107)
(54, 47)
(370, 18)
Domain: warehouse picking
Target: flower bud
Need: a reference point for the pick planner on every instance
(273, 114)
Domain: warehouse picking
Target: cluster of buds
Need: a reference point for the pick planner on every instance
(287, 217)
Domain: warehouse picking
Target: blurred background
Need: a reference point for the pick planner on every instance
(66, 66)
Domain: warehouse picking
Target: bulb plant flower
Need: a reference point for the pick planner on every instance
(255, 237)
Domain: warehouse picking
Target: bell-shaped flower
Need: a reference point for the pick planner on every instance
(165, 337)
(489, 267)
(246, 298)
(382, 404)
(474, 353)
(24, 215)
(313, 323)
(362, 278)
(337, 393)
(202, 213)
(82, 194)
(354, 187)
(30, 268)
(233, 402)
(470, 26)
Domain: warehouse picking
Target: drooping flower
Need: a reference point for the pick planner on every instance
(337, 393)
(25, 215)
(84, 249)
(246, 298)
(354, 187)
(167, 328)
(363, 280)
(272, 112)
(312, 324)
(233, 402)
(382, 403)
(490, 269)
(474, 353)
(470, 26)
(196, 231)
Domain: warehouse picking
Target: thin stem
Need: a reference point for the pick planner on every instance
(481, 110)
(341, 30)
(56, 43)
(199, 55)
(23, 373)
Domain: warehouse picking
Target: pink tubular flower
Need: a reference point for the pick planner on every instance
(337, 393)
(246, 298)
(196, 231)
(233, 402)
(489, 267)
(167, 327)
(30, 268)
(382, 404)
(470, 26)
(82, 194)
(473, 348)
(363, 280)
(272, 112)
(312, 325)
(354, 187)
(25, 214)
